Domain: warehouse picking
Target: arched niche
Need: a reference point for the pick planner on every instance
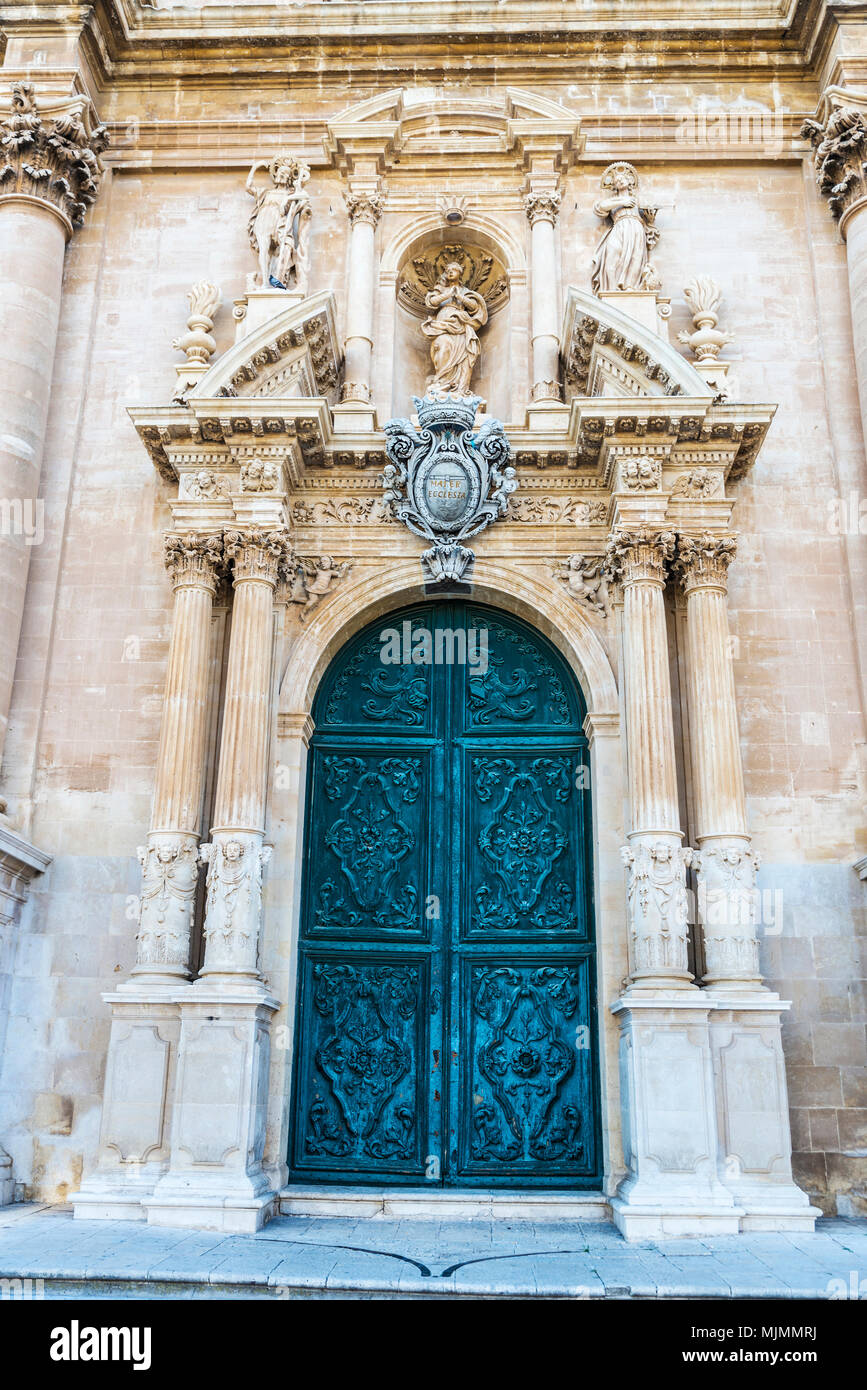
(504, 286)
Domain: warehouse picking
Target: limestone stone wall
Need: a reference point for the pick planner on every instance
(86, 710)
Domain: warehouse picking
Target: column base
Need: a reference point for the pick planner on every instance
(235, 1210)
(107, 1196)
(639, 1216)
(548, 416)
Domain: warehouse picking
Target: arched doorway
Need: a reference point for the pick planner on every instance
(446, 1024)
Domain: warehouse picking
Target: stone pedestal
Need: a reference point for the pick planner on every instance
(753, 1114)
(259, 306)
(669, 1122)
(137, 1106)
(215, 1179)
(649, 308)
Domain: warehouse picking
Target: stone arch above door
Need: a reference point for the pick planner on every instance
(563, 622)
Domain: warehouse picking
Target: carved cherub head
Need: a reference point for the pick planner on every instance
(233, 849)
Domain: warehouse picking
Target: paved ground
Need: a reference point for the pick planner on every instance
(315, 1257)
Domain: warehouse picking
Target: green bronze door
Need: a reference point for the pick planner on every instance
(446, 1027)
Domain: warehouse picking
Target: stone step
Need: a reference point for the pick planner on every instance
(444, 1203)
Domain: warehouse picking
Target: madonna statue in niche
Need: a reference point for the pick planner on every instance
(621, 261)
(455, 345)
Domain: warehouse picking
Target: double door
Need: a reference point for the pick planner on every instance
(446, 1024)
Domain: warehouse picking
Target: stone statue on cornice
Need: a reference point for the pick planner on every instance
(279, 226)
(621, 261)
(455, 345)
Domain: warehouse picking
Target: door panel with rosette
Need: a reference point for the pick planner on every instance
(446, 1016)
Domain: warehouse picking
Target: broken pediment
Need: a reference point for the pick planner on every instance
(292, 355)
(606, 352)
(442, 126)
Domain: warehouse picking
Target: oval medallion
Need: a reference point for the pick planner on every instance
(447, 490)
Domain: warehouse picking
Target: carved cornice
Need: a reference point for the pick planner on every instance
(51, 157)
(364, 207)
(258, 555)
(702, 562)
(543, 207)
(195, 561)
(642, 555)
(839, 153)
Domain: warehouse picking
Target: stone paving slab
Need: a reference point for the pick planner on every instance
(382, 1257)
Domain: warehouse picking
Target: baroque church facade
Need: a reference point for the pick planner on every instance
(432, 667)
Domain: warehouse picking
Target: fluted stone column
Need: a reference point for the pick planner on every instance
(726, 865)
(655, 859)
(542, 208)
(215, 1175)
(236, 854)
(49, 174)
(170, 859)
(365, 210)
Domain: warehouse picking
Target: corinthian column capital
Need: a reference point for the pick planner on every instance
(642, 554)
(194, 561)
(542, 206)
(258, 554)
(702, 562)
(52, 157)
(839, 141)
(364, 207)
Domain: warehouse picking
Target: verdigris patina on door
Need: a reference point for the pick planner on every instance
(446, 1015)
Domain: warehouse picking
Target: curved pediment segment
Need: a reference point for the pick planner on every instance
(607, 353)
(429, 122)
(294, 354)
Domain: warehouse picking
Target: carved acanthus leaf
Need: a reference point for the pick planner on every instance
(53, 159)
